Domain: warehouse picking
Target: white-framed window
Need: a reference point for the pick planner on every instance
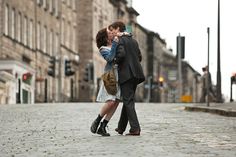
(63, 31)
(13, 23)
(6, 20)
(45, 39)
(51, 6)
(51, 43)
(19, 29)
(73, 5)
(68, 35)
(30, 34)
(56, 45)
(74, 40)
(56, 8)
(44, 4)
(38, 38)
(41, 37)
(39, 2)
(25, 25)
(68, 3)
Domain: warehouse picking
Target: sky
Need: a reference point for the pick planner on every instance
(191, 18)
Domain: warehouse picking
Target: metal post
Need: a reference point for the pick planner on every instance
(71, 89)
(19, 92)
(46, 90)
(218, 85)
(149, 88)
(231, 83)
(208, 68)
(179, 67)
(60, 57)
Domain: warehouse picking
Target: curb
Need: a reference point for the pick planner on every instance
(221, 112)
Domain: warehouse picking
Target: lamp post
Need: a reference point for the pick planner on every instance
(218, 85)
(208, 54)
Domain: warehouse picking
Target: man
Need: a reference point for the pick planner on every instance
(206, 83)
(130, 72)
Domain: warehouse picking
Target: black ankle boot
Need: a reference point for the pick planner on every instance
(102, 129)
(94, 126)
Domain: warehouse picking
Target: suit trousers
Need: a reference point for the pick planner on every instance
(128, 112)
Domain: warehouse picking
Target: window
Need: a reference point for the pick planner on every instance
(68, 3)
(30, 37)
(44, 39)
(51, 43)
(45, 4)
(51, 6)
(39, 2)
(13, 24)
(56, 45)
(38, 37)
(56, 8)
(6, 19)
(63, 31)
(25, 30)
(74, 39)
(74, 5)
(18, 35)
(68, 35)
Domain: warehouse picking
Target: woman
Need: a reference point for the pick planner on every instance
(106, 48)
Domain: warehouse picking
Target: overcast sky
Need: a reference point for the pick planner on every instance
(191, 18)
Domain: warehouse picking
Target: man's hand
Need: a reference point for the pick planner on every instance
(122, 33)
(116, 39)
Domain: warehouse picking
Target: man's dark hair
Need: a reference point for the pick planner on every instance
(102, 37)
(119, 24)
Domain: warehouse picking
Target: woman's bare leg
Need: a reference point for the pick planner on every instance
(113, 107)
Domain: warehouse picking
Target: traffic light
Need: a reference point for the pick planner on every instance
(88, 73)
(52, 67)
(161, 80)
(233, 78)
(181, 46)
(68, 68)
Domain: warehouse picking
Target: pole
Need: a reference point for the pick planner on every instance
(60, 57)
(149, 89)
(179, 67)
(208, 68)
(218, 85)
(231, 82)
(46, 90)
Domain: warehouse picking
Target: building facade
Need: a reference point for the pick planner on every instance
(33, 32)
(99, 14)
(59, 35)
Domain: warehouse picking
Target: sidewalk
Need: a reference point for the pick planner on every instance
(224, 109)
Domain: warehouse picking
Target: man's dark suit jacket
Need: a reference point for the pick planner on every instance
(128, 58)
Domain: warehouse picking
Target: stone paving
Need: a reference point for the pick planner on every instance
(59, 130)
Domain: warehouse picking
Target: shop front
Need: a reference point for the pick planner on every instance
(17, 82)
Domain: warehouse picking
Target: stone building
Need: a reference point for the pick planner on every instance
(35, 34)
(34, 31)
(99, 14)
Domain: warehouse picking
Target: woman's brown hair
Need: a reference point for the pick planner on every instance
(102, 37)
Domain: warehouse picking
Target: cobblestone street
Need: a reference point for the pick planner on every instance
(63, 130)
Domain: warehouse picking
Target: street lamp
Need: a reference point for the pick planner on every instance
(218, 85)
(208, 55)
